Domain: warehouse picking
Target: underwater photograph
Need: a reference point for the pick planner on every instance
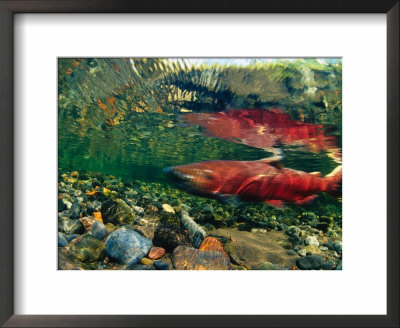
(199, 164)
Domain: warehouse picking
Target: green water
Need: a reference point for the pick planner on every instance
(124, 117)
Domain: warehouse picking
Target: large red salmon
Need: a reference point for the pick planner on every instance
(267, 129)
(262, 181)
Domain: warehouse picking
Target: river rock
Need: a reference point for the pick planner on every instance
(156, 253)
(71, 227)
(265, 266)
(188, 258)
(212, 244)
(328, 265)
(311, 240)
(139, 210)
(127, 246)
(293, 230)
(75, 211)
(310, 262)
(295, 240)
(160, 265)
(250, 249)
(168, 208)
(196, 234)
(87, 222)
(337, 246)
(62, 240)
(88, 249)
(116, 212)
(72, 237)
(146, 261)
(61, 205)
(312, 249)
(208, 209)
(169, 236)
(99, 230)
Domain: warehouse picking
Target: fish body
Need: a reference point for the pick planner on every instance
(266, 129)
(260, 181)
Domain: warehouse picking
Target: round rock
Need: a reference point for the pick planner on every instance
(127, 246)
(160, 265)
(99, 230)
(62, 240)
(310, 262)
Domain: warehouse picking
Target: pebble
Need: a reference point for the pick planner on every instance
(302, 252)
(168, 208)
(265, 266)
(193, 228)
(67, 203)
(116, 212)
(72, 237)
(127, 246)
(312, 249)
(310, 262)
(87, 222)
(293, 230)
(61, 205)
(291, 252)
(62, 240)
(323, 248)
(97, 216)
(208, 209)
(328, 265)
(188, 258)
(139, 266)
(70, 226)
(156, 253)
(99, 230)
(295, 240)
(197, 239)
(146, 261)
(152, 209)
(160, 265)
(75, 211)
(139, 210)
(169, 236)
(337, 246)
(89, 249)
(312, 240)
(255, 230)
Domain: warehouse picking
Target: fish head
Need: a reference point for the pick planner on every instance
(195, 178)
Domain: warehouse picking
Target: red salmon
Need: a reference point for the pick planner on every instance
(266, 129)
(262, 181)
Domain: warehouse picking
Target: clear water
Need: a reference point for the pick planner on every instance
(124, 116)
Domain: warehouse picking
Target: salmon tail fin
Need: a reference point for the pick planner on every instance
(335, 179)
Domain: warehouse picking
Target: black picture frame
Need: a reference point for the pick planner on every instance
(7, 201)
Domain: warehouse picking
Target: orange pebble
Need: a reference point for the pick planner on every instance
(92, 193)
(111, 100)
(97, 216)
(101, 105)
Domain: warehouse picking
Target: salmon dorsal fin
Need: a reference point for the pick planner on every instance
(274, 161)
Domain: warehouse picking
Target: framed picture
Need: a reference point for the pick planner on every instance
(207, 165)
